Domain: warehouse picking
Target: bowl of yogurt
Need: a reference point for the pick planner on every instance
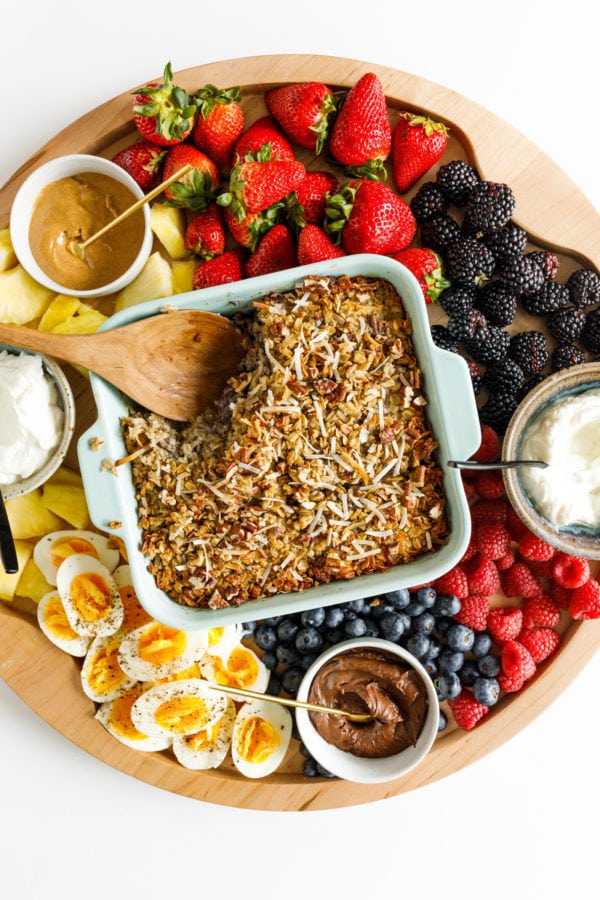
(37, 411)
(558, 423)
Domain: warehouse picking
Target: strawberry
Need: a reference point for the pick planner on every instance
(249, 230)
(315, 245)
(427, 267)
(505, 623)
(303, 111)
(276, 251)
(196, 189)
(222, 269)
(143, 160)
(219, 123)
(370, 218)
(254, 185)
(163, 113)
(541, 642)
(205, 235)
(585, 600)
(307, 203)
(473, 612)
(264, 140)
(361, 137)
(417, 144)
(467, 711)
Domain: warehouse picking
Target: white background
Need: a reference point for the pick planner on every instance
(522, 820)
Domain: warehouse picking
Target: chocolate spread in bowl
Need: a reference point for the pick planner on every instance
(369, 680)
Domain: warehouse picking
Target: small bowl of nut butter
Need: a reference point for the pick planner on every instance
(384, 681)
(68, 200)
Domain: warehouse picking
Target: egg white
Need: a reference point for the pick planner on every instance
(146, 708)
(136, 740)
(120, 681)
(91, 543)
(81, 564)
(78, 644)
(214, 746)
(131, 659)
(280, 720)
(222, 640)
(221, 670)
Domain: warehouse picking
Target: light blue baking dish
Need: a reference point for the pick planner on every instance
(452, 414)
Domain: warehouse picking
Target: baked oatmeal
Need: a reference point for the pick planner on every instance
(318, 463)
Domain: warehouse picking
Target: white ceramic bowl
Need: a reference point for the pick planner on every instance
(357, 768)
(67, 403)
(24, 202)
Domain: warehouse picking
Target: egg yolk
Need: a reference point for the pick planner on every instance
(182, 715)
(134, 615)
(240, 670)
(256, 739)
(160, 644)
(205, 738)
(55, 619)
(103, 671)
(68, 546)
(192, 672)
(91, 596)
(120, 716)
(215, 635)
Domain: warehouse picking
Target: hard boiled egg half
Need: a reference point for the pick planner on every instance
(52, 550)
(102, 678)
(53, 621)
(207, 748)
(178, 708)
(155, 651)
(92, 602)
(115, 715)
(261, 737)
(241, 668)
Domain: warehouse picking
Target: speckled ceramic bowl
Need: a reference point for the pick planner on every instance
(67, 402)
(576, 539)
(359, 768)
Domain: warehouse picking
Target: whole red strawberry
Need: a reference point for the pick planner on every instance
(163, 113)
(248, 231)
(275, 252)
(418, 143)
(315, 245)
(303, 111)
(370, 217)
(195, 189)
(219, 123)
(307, 203)
(143, 160)
(263, 140)
(254, 185)
(361, 138)
(428, 269)
(222, 269)
(205, 234)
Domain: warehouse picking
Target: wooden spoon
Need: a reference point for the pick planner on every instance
(174, 364)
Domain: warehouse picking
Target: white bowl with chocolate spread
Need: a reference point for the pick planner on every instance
(71, 198)
(378, 677)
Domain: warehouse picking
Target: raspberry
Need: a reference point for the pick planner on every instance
(561, 595)
(517, 662)
(506, 561)
(510, 683)
(541, 642)
(474, 612)
(505, 623)
(482, 576)
(489, 447)
(570, 571)
(472, 549)
(492, 539)
(540, 610)
(541, 567)
(489, 485)
(489, 511)
(469, 489)
(533, 547)
(453, 582)
(585, 600)
(519, 581)
(467, 711)
(515, 525)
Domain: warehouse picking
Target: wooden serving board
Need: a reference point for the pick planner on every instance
(555, 214)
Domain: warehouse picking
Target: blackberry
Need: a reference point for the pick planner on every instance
(498, 409)
(476, 377)
(584, 288)
(508, 241)
(590, 336)
(488, 345)
(443, 338)
(440, 232)
(457, 299)
(469, 262)
(456, 179)
(566, 325)
(521, 273)
(548, 262)
(530, 383)
(550, 297)
(506, 375)
(429, 202)
(497, 302)
(490, 206)
(530, 350)
(465, 325)
(564, 356)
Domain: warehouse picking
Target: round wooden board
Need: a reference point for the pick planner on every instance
(555, 214)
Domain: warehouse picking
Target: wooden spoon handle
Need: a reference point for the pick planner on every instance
(82, 349)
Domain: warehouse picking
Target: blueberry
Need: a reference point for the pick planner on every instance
(398, 599)
(304, 750)
(265, 637)
(443, 623)
(372, 628)
(355, 627)
(379, 609)
(460, 637)
(486, 691)
(248, 628)
(482, 644)
(325, 773)
(359, 606)
(314, 617)
(448, 686)
(391, 626)
(489, 665)
(430, 666)
(443, 722)
(309, 768)
(334, 635)
(291, 678)
(446, 605)
(424, 623)
(270, 660)
(418, 645)
(287, 654)
(306, 660)
(274, 685)
(469, 673)
(334, 616)
(450, 660)
(427, 596)
(287, 628)
(414, 609)
(272, 620)
(434, 649)
(308, 639)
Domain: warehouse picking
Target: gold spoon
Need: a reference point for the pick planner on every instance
(77, 247)
(174, 363)
(286, 701)
(499, 464)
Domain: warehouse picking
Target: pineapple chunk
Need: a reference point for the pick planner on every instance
(168, 224)
(8, 258)
(67, 501)
(183, 275)
(85, 321)
(59, 310)
(64, 475)
(29, 517)
(154, 282)
(8, 583)
(21, 298)
(32, 583)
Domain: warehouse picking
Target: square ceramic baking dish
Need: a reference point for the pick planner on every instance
(452, 414)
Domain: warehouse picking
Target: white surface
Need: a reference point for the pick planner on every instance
(521, 820)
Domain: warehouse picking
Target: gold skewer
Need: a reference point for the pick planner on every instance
(285, 701)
